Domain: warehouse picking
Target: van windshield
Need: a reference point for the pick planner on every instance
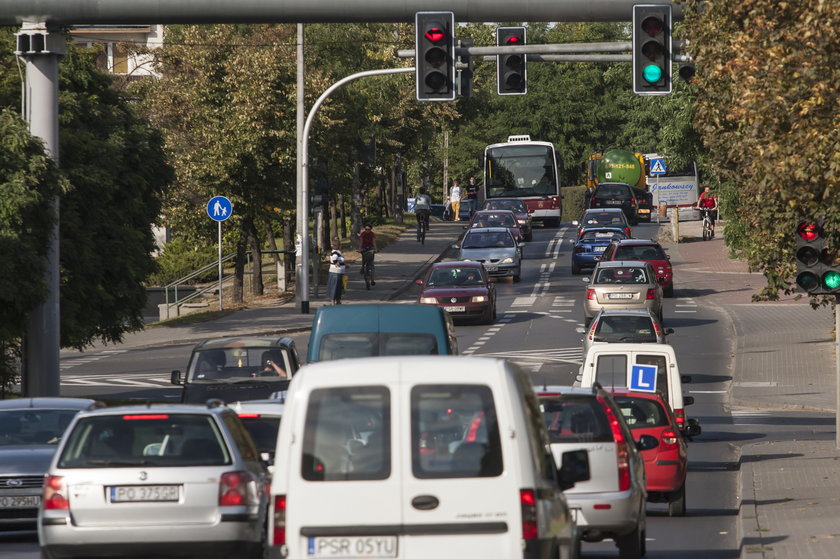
(371, 344)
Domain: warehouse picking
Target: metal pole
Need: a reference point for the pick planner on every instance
(837, 371)
(220, 266)
(303, 208)
(301, 222)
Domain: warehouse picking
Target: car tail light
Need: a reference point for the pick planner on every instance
(657, 329)
(592, 329)
(54, 493)
(592, 202)
(679, 416)
(621, 451)
(248, 415)
(632, 201)
(146, 416)
(528, 500)
(472, 430)
(651, 294)
(627, 231)
(669, 438)
(590, 293)
(233, 489)
(580, 249)
(279, 531)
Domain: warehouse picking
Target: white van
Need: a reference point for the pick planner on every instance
(418, 457)
(613, 365)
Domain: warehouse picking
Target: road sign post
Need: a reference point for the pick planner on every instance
(219, 208)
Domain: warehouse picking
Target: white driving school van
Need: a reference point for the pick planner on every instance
(418, 457)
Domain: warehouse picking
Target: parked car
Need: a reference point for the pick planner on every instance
(234, 369)
(495, 248)
(617, 365)
(519, 208)
(644, 199)
(163, 480)
(30, 429)
(607, 217)
(346, 331)
(468, 206)
(666, 462)
(616, 195)
(591, 244)
(611, 503)
(496, 218)
(622, 284)
(415, 458)
(623, 326)
(462, 289)
(647, 251)
(262, 420)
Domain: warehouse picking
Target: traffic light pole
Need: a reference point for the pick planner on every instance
(837, 371)
(303, 198)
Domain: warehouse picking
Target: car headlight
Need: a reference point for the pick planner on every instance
(523, 221)
(479, 299)
(507, 260)
(466, 260)
(428, 301)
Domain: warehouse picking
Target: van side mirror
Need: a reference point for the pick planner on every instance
(688, 400)
(669, 330)
(685, 379)
(418, 282)
(647, 442)
(175, 377)
(574, 467)
(455, 245)
(692, 428)
(580, 330)
(586, 279)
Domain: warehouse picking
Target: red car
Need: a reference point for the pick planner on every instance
(518, 207)
(661, 445)
(463, 289)
(647, 251)
(497, 218)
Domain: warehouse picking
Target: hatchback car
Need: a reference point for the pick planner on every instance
(462, 289)
(495, 248)
(623, 326)
(611, 504)
(622, 284)
(616, 195)
(496, 218)
(608, 217)
(644, 199)
(591, 244)
(30, 429)
(647, 251)
(155, 480)
(666, 462)
(235, 369)
(520, 210)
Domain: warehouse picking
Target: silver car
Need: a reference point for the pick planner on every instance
(611, 503)
(495, 248)
(155, 480)
(30, 429)
(622, 284)
(262, 419)
(623, 325)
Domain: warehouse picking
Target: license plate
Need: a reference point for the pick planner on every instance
(144, 493)
(490, 268)
(455, 309)
(22, 502)
(644, 211)
(355, 546)
(613, 202)
(599, 249)
(619, 295)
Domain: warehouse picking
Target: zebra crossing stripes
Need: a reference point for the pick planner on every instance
(685, 305)
(70, 362)
(124, 382)
(572, 355)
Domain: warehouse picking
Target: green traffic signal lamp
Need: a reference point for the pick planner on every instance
(652, 73)
(808, 281)
(831, 280)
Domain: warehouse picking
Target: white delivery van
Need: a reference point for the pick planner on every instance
(418, 457)
(644, 367)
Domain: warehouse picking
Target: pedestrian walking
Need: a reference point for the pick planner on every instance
(335, 280)
(455, 199)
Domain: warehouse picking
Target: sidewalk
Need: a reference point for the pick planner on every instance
(783, 360)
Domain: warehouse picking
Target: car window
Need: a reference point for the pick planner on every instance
(622, 328)
(661, 371)
(454, 432)
(612, 192)
(241, 438)
(370, 344)
(145, 439)
(236, 363)
(599, 234)
(641, 413)
(263, 429)
(334, 448)
(637, 252)
(575, 419)
(629, 275)
(488, 240)
(611, 369)
(33, 426)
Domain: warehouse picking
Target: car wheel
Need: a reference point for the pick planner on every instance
(489, 316)
(517, 277)
(494, 312)
(631, 546)
(676, 507)
(668, 291)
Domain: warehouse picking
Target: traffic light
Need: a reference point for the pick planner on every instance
(464, 70)
(686, 71)
(511, 69)
(435, 56)
(652, 49)
(817, 266)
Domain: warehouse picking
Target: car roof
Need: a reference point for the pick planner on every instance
(488, 230)
(216, 407)
(44, 403)
(603, 210)
(622, 347)
(625, 312)
(246, 341)
(543, 390)
(262, 407)
(612, 184)
(622, 263)
(625, 391)
(638, 242)
(493, 211)
(457, 264)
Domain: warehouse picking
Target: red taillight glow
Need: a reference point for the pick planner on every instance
(233, 489)
(54, 491)
(146, 416)
(621, 450)
(669, 438)
(632, 201)
(248, 415)
(472, 430)
(279, 531)
(528, 500)
(580, 249)
(627, 230)
(679, 416)
(590, 294)
(651, 294)
(657, 329)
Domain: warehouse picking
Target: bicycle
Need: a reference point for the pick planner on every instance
(708, 232)
(422, 226)
(367, 267)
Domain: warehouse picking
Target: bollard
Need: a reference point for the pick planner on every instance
(675, 224)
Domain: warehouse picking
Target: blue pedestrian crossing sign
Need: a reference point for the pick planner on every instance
(643, 378)
(219, 208)
(658, 167)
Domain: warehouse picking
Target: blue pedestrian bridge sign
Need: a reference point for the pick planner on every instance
(643, 378)
(219, 208)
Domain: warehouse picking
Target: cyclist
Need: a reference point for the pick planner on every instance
(367, 248)
(422, 209)
(708, 204)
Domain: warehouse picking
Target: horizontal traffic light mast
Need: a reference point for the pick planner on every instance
(556, 48)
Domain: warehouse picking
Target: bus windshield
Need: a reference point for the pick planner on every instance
(520, 170)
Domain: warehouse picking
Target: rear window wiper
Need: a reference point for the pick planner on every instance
(116, 462)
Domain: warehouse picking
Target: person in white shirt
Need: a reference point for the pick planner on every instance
(455, 199)
(335, 281)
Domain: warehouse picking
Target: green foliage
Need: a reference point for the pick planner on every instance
(180, 258)
(574, 202)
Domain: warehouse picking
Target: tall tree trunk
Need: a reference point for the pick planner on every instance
(389, 193)
(239, 264)
(399, 192)
(342, 212)
(272, 241)
(289, 246)
(355, 203)
(333, 221)
(257, 287)
(379, 197)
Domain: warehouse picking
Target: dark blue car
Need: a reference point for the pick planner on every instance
(591, 244)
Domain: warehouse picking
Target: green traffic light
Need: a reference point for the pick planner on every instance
(652, 73)
(831, 280)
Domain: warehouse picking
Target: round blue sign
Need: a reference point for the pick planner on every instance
(219, 208)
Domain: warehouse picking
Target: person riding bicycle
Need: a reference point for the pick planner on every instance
(367, 248)
(708, 203)
(422, 209)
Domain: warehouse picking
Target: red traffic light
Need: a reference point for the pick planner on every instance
(435, 34)
(513, 40)
(808, 231)
(653, 26)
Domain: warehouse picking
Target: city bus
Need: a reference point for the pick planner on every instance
(524, 169)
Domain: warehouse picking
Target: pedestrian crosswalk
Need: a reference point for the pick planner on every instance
(133, 381)
(70, 362)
